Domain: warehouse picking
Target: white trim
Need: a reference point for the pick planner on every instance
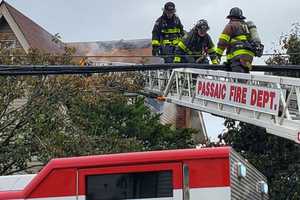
(15, 28)
(83, 198)
(177, 195)
(163, 198)
(59, 198)
(213, 193)
(15, 182)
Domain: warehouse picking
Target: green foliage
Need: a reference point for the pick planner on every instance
(12, 121)
(290, 45)
(44, 117)
(114, 116)
(27, 106)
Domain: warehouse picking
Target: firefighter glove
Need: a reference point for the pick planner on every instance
(215, 61)
(156, 50)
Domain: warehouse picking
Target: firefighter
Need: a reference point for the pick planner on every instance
(240, 42)
(83, 62)
(166, 34)
(196, 46)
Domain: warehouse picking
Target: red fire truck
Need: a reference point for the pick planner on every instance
(190, 174)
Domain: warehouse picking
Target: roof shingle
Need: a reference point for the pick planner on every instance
(35, 35)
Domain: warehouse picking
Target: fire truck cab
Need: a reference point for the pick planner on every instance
(190, 174)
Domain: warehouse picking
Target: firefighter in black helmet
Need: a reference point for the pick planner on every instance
(241, 46)
(167, 33)
(196, 46)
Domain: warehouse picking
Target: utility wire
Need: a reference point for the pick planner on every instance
(14, 70)
(139, 56)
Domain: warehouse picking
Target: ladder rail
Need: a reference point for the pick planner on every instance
(282, 121)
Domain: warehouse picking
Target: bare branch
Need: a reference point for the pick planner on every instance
(24, 169)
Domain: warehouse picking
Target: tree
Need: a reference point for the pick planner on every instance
(12, 121)
(62, 116)
(277, 158)
(115, 117)
(21, 108)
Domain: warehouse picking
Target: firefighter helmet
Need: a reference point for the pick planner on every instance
(236, 13)
(169, 6)
(202, 25)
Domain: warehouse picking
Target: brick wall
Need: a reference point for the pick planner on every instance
(182, 117)
(189, 118)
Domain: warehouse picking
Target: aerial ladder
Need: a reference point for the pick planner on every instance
(271, 102)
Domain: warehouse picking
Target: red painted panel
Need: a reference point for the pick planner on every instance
(39, 183)
(139, 158)
(60, 182)
(209, 172)
(175, 167)
(11, 195)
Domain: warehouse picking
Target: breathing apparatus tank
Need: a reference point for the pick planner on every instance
(255, 41)
(253, 32)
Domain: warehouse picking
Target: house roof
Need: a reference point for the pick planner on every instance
(24, 28)
(129, 51)
(32, 35)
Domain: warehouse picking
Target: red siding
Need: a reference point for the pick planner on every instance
(60, 182)
(209, 173)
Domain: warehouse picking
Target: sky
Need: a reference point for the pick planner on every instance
(99, 20)
(94, 20)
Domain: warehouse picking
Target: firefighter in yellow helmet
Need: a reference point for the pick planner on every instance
(196, 46)
(241, 41)
(166, 33)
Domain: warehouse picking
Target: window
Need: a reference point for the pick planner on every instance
(7, 44)
(129, 186)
